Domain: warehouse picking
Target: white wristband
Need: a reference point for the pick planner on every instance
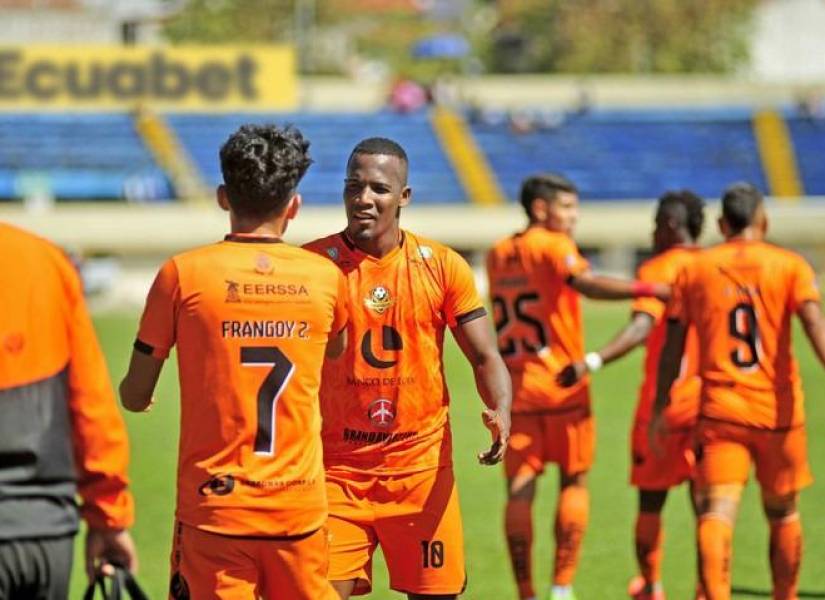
(594, 361)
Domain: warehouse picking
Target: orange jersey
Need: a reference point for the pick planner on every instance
(59, 422)
(385, 401)
(251, 320)
(740, 296)
(684, 394)
(538, 316)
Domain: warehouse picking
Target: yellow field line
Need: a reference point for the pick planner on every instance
(470, 164)
(777, 153)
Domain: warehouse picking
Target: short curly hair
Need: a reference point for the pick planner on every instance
(261, 167)
(685, 206)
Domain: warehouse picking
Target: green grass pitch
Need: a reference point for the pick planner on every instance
(607, 561)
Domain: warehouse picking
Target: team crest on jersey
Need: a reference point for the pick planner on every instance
(263, 264)
(381, 413)
(232, 291)
(379, 300)
(425, 252)
(332, 252)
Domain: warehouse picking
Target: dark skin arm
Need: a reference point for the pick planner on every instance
(337, 344)
(601, 287)
(810, 314)
(632, 335)
(138, 385)
(492, 381)
(670, 362)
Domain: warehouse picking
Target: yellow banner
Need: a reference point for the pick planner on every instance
(178, 78)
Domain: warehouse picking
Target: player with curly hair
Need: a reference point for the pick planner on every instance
(252, 318)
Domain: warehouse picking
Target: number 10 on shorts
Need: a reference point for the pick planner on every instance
(432, 554)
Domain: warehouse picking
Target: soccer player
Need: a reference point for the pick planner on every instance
(679, 220)
(60, 430)
(252, 318)
(740, 296)
(386, 432)
(535, 280)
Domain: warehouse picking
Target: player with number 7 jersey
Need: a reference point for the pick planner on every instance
(252, 319)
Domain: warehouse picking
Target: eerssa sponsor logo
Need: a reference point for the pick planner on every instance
(237, 291)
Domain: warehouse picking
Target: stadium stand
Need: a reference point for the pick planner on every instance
(333, 136)
(808, 135)
(77, 157)
(628, 154)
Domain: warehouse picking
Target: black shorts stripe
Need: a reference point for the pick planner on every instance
(471, 316)
(143, 347)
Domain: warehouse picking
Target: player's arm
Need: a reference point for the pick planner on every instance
(602, 287)
(633, 334)
(810, 314)
(100, 442)
(492, 381)
(155, 337)
(670, 362)
(138, 386)
(337, 344)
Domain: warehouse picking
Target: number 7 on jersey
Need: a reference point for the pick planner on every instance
(269, 392)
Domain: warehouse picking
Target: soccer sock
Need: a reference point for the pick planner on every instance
(571, 523)
(785, 555)
(518, 523)
(714, 541)
(649, 546)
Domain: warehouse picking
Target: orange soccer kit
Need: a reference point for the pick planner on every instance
(675, 465)
(539, 324)
(386, 433)
(740, 297)
(251, 318)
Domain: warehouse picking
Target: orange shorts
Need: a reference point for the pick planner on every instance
(725, 451)
(567, 438)
(415, 518)
(208, 565)
(673, 467)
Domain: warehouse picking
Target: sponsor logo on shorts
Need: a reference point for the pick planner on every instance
(218, 485)
(381, 413)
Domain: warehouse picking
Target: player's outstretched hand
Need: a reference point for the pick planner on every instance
(571, 374)
(499, 426)
(105, 547)
(655, 431)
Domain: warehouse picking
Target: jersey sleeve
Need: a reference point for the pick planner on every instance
(566, 259)
(461, 300)
(804, 287)
(677, 308)
(341, 309)
(99, 438)
(156, 334)
(647, 273)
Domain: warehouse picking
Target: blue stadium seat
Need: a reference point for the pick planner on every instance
(77, 157)
(615, 155)
(808, 135)
(332, 136)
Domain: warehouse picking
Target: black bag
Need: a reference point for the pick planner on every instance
(120, 586)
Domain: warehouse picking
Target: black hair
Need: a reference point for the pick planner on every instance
(686, 208)
(545, 185)
(740, 203)
(380, 145)
(261, 166)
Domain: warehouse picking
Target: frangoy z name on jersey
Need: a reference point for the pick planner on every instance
(265, 329)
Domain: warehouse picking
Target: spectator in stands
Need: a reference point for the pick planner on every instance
(60, 431)
(407, 95)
